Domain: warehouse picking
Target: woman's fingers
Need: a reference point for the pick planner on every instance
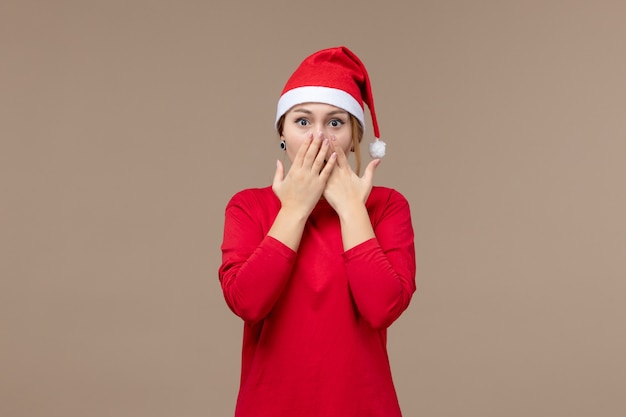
(298, 160)
(313, 150)
(328, 168)
(342, 159)
(368, 175)
(320, 158)
(279, 174)
(344, 186)
(312, 153)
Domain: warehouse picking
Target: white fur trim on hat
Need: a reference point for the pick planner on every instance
(377, 149)
(316, 94)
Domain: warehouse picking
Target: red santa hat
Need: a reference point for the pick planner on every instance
(334, 76)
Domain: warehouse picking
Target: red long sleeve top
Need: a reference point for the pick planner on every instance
(315, 321)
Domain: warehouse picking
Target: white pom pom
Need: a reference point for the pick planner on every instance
(377, 149)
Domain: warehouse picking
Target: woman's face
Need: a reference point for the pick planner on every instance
(304, 119)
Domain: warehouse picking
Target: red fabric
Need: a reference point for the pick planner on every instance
(315, 322)
(338, 68)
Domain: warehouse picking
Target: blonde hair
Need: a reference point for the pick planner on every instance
(357, 136)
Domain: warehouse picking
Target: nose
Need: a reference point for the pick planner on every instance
(322, 129)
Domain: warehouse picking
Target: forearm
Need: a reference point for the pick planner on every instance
(252, 285)
(288, 227)
(381, 284)
(356, 226)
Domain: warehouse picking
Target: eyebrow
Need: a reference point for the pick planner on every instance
(332, 113)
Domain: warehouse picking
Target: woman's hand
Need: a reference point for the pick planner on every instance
(300, 190)
(345, 190)
(347, 193)
(304, 184)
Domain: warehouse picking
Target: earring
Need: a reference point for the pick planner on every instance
(283, 145)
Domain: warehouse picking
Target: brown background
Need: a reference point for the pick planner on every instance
(127, 125)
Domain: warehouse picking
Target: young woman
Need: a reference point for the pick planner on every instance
(321, 263)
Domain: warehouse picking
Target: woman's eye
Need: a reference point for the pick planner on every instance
(302, 122)
(336, 123)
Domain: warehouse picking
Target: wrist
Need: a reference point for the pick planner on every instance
(288, 226)
(356, 226)
(350, 210)
(294, 214)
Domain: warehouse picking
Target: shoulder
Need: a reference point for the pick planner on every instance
(387, 203)
(254, 197)
(385, 196)
(248, 216)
